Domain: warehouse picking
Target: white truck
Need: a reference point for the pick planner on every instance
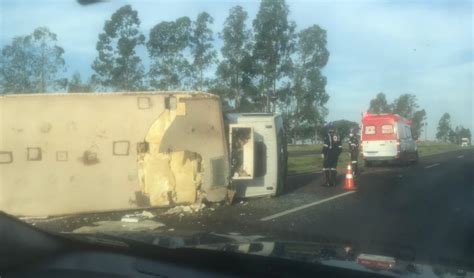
(87, 152)
(464, 142)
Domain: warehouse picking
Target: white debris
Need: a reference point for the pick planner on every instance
(147, 214)
(186, 209)
(174, 210)
(137, 217)
(130, 219)
(171, 230)
(212, 209)
(197, 207)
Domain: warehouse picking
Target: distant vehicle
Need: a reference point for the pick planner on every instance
(387, 137)
(464, 142)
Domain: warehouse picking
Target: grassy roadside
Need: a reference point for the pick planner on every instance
(314, 163)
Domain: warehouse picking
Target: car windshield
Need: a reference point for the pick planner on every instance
(342, 125)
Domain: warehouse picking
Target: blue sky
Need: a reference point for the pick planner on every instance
(421, 47)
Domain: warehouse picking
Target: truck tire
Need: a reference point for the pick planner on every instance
(282, 167)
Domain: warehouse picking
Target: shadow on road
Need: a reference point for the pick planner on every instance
(297, 181)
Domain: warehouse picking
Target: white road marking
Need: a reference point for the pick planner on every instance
(286, 212)
(431, 166)
(461, 156)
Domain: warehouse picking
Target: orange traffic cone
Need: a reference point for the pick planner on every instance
(349, 183)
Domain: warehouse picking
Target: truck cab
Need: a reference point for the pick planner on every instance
(258, 153)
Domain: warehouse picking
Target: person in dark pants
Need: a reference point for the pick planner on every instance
(331, 150)
(354, 150)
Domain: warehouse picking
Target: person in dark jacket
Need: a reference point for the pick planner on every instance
(354, 150)
(331, 150)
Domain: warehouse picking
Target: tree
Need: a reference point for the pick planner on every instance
(235, 71)
(444, 128)
(405, 105)
(344, 127)
(379, 104)
(274, 45)
(308, 95)
(417, 123)
(464, 133)
(117, 65)
(31, 64)
(75, 85)
(202, 49)
(166, 47)
(452, 136)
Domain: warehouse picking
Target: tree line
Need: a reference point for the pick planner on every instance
(265, 66)
(446, 133)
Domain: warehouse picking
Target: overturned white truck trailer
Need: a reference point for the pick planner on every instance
(89, 152)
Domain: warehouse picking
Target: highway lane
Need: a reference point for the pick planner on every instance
(427, 209)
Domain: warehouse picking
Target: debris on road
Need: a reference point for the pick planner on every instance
(147, 214)
(197, 207)
(137, 217)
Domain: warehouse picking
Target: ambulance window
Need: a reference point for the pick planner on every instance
(387, 129)
(370, 129)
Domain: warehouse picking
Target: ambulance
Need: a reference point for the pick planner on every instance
(387, 137)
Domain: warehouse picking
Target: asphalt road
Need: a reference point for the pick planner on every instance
(424, 210)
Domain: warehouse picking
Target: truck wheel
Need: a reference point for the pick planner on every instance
(281, 185)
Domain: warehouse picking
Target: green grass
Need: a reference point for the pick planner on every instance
(314, 163)
(429, 148)
(311, 163)
(307, 148)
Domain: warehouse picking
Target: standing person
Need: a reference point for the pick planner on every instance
(331, 150)
(354, 150)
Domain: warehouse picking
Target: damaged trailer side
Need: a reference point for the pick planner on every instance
(75, 153)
